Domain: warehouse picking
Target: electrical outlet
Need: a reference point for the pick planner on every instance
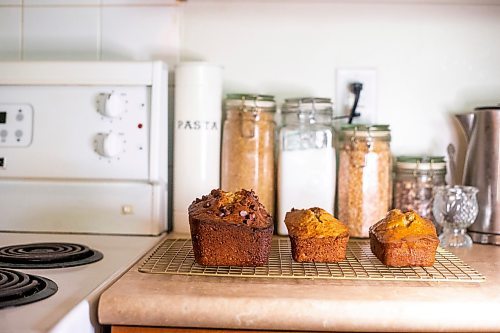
(367, 104)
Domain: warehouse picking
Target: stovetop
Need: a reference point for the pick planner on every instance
(73, 308)
(17, 288)
(47, 255)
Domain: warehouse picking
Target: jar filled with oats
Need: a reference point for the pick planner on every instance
(248, 146)
(416, 176)
(364, 180)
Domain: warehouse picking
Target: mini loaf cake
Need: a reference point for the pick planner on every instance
(316, 236)
(404, 239)
(230, 229)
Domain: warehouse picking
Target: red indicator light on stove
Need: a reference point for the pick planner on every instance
(139, 125)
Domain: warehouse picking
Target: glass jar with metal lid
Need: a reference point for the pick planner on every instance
(364, 181)
(306, 163)
(313, 109)
(416, 177)
(248, 146)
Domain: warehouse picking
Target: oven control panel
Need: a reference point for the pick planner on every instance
(75, 132)
(84, 146)
(16, 125)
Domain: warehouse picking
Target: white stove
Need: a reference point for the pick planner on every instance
(83, 159)
(73, 308)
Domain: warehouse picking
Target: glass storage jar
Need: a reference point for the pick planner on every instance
(364, 181)
(306, 162)
(415, 179)
(248, 146)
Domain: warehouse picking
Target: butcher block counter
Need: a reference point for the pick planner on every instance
(181, 301)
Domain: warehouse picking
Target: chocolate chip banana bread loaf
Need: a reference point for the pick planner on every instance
(404, 239)
(230, 229)
(316, 236)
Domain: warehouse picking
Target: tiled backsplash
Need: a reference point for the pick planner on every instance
(10, 32)
(89, 30)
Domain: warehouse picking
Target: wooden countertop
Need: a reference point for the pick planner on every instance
(312, 305)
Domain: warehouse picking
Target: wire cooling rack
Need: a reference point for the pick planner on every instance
(175, 256)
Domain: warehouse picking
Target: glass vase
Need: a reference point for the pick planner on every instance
(455, 208)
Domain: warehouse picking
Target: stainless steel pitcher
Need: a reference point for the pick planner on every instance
(482, 169)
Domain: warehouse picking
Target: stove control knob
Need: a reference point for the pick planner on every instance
(109, 144)
(112, 105)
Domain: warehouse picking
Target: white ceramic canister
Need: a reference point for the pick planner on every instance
(306, 163)
(197, 136)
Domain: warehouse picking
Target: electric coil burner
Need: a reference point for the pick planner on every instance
(47, 255)
(18, 288)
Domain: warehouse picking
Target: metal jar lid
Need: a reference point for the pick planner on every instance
(366, 131)
(308, 104)
(421, 163)
(248, 102)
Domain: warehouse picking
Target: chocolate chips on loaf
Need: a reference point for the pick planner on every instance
(230, 229)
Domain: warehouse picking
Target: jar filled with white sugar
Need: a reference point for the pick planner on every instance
(306, 157)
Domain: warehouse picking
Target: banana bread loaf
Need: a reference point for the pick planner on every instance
(404, 239)
(316, 236)
(230, 229)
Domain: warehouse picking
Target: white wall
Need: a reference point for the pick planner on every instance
(431, 60)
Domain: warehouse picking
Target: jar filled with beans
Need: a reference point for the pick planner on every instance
(248, 141)
(364, 180)
(416, 177)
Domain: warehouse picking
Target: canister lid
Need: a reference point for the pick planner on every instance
(421, 162)
(305, 104)
(250, 100)
(363, 130)
(198, 73)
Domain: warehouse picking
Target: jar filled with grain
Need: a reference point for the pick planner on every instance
(415, 179)
(306, 159)
(248, 146)
(364, 180)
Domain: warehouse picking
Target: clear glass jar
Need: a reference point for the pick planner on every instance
(248, 146)
(364, 181)
(415, 179)
(306, 162)
(455, 209)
